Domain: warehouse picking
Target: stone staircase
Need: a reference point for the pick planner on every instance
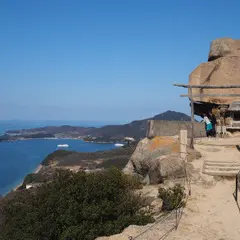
(221, 168)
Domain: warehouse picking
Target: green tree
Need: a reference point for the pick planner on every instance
(74, 206)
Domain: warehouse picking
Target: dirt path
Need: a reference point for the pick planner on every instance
(211, 213)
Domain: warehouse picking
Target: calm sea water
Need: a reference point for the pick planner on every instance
(19, 158)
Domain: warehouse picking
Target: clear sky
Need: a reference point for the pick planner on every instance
(111, 60)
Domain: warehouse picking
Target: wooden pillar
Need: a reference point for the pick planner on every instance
(183, 144)
(192, 118)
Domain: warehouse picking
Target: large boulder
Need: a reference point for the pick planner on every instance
(157, 159)
(223, 68)
(223, 47)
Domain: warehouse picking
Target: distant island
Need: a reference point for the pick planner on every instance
(105, 134)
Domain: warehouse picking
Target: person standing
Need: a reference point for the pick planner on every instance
(208, 125)
(214, 122)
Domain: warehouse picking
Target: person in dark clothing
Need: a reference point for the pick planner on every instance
(214, 122)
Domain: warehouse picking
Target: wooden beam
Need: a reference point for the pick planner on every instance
(206, 86)
(192, 119)
(211, 95)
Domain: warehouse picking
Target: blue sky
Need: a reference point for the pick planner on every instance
(111, 60)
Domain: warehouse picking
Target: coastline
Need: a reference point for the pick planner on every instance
(39, 167)
(67, 138)
(12, 187)
(53, 138)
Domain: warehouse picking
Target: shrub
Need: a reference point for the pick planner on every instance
(74, 206)
(45, 175)
(31, 177)
(172, 197)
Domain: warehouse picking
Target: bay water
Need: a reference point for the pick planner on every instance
(18, 158)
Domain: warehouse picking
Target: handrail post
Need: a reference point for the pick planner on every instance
(237, 182)
(236, 191)
(192, 119)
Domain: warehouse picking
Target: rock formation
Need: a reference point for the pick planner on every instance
(158, 159)
(222, 68)
(223, 47)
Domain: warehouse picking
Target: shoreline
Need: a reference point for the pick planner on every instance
(39, 167)
(67, 138)
(53, 138)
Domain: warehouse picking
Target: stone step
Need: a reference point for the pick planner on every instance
(223, 168)
(225, 162)
(221, 164)
(221, 173)
(217, 168)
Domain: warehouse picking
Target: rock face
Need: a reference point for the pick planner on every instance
(222, 68)
(223, 47)
(157, 159)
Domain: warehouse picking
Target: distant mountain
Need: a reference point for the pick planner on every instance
(136, 129)
(113, 133)
(172, 116)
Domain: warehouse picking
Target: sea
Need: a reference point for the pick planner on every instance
(19, 158)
